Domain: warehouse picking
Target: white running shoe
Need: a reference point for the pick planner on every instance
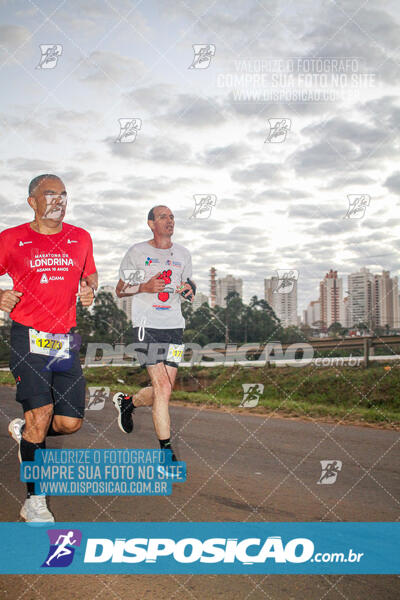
(14, 429)
(34, 510)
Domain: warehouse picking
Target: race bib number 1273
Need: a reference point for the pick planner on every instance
(49, 344)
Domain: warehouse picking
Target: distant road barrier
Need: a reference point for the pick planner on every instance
(298, 354)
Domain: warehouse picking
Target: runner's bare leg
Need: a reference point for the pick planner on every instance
(162, 378)
(144, 397)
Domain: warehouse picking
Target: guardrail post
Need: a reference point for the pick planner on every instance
(366, 342)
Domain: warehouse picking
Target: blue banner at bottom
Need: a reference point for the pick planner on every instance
(195, 548)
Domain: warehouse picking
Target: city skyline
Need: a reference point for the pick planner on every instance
(378, 306)
(5, 283)
(301, 309)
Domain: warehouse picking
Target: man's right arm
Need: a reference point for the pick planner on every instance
(127, 268)
(153, 285)
(8, 298)
(124, 289)
(128, 275)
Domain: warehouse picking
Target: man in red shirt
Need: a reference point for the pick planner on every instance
(48, 261)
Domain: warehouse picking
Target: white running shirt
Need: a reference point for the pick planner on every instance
(158, 310)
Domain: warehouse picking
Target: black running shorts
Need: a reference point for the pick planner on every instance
(45, 380)
(155, 345)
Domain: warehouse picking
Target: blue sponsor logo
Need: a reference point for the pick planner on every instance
(151, 261)
(62, 547)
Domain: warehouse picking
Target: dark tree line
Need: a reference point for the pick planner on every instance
(237, 323)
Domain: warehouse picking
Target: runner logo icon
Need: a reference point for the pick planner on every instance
(62, 547)
(251, 394)
(330, 470)
(97, 397)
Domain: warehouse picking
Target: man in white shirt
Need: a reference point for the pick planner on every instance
(165, 269)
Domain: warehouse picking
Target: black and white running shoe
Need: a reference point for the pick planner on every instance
(124, 406)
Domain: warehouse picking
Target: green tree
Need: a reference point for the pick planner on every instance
(110, 323)
(84, 325)
(5, 342)
(306, 330)
(263, 324)
(292, 334)
(335, 329)
(205, 325)
(234, 318)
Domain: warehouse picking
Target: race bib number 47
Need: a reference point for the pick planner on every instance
(175, 352)
(49, 344)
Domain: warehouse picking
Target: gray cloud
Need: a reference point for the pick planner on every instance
(339, 182)
(90, 18)
(370, 35)
(258, 173)
(223, 156)
(13, 36)
(314, 211)
(393, 182)
(323, 157)
(193, 111)
(153, 184)
(32, 165)
(104, 67)
(153, 99)
(154, 150)
(383, 111)
(281, 194)
(339, 226)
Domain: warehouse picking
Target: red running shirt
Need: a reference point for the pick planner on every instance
(47, 269)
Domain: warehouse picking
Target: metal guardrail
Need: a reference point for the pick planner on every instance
(366, 343)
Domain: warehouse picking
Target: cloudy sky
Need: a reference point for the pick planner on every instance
(281, 201)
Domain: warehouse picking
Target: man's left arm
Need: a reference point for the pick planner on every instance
(89, 279)
(187, 287)
(92, 280)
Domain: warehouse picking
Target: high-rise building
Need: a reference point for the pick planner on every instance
(360, 297)
(385, 304)
(108, 289)
(213, 287)
(374, 299)
(225, 286)
(269, 290)
(199, 299)
(125, 304)
(283, 303)
(313, 313)
(346, 312)
(331, 299)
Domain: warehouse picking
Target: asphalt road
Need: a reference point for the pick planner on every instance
(241, 467)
